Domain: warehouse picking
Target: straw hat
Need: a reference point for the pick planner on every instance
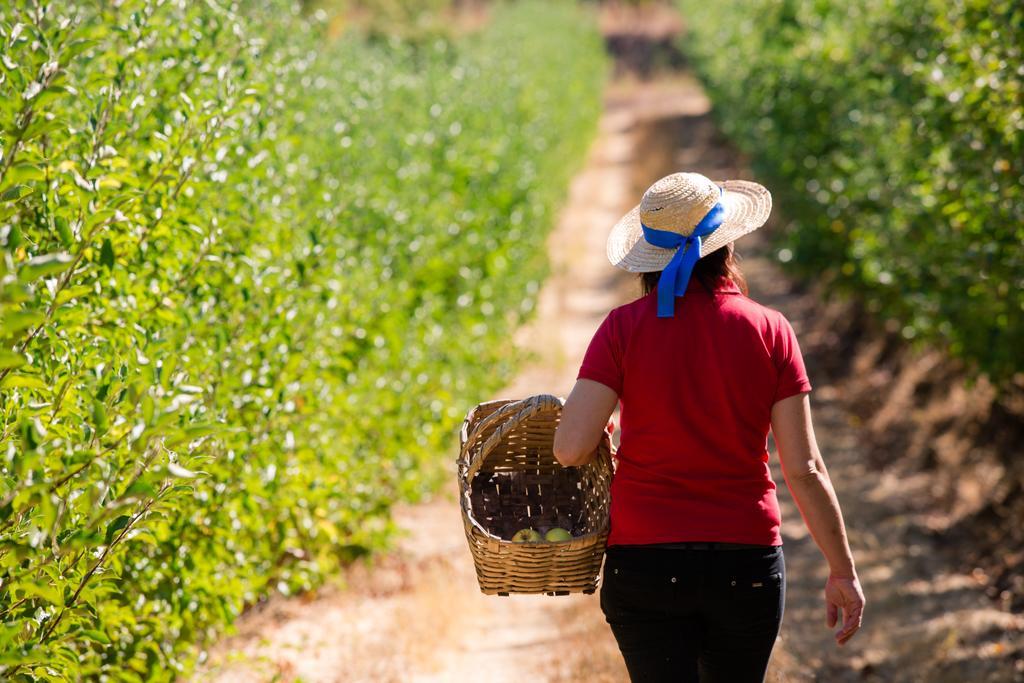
(678, 203)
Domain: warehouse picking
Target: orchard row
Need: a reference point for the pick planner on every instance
(251, 278)
(893, 134)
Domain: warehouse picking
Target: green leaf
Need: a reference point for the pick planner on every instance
(67, 238)
(13, 194)
(25, 173)
(148, 408)
(17, 321)
(73, 292)
(76, 47)
(31, 436)
(98, 636)
(42, 125)
(15, 294)
(116, 525)
(8, 633)
(107, 254)
(197, 430)
(41, 266)
(99, 417)
(45, 591)
(13, 381)
(14, 237)
(10, 359)
(140, 488)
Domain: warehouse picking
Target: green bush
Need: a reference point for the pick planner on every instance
(250, 282)
(893, 134)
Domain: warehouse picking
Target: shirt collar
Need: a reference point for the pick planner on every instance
(724, 285)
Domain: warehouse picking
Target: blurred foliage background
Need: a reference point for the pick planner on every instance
(256, 262)
(892, 132)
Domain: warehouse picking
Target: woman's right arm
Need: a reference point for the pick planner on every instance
(808, 481)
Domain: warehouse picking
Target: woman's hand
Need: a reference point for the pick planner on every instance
(844, 594)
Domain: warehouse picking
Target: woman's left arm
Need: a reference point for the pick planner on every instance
(584, 417)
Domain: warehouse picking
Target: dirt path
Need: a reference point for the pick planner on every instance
(417, 614)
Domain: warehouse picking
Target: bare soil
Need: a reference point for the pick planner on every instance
(417, 614)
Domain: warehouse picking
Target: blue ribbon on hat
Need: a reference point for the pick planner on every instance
(676, 275)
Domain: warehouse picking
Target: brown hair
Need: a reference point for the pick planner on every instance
(721, 263)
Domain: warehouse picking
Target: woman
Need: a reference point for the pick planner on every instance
(694, 579)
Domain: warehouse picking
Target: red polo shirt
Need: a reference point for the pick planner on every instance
(696, 392)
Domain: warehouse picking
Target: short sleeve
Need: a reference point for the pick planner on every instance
(789, 362)
(603, 360)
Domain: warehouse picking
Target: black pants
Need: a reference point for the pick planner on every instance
(694, 615)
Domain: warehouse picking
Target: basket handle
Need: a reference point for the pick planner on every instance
(497, 416)
(523, 410)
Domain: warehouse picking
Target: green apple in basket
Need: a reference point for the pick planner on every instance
(556, 534)
(527, 535)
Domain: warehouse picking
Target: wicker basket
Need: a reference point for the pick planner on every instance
(509, 479)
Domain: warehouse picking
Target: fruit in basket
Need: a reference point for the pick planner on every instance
(527, 535)
(557, 534)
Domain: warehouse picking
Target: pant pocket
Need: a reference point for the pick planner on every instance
(758, 596)
(627, 590)
(755, 584)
